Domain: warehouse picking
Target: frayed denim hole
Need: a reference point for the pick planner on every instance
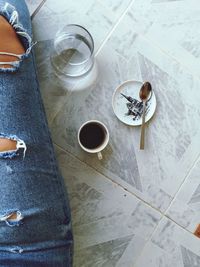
(7, 218)
(15, 65)
(10, 70)
(9, 12)
(8, 155)
(13, 153)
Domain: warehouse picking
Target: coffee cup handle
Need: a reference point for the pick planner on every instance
(99, 154)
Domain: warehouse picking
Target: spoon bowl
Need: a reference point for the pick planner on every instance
(145, 91)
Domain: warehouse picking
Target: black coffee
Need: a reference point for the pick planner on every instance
(92, 135)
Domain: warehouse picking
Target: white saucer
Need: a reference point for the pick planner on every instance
(131, 88)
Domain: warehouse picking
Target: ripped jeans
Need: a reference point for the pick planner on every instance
(35, 220)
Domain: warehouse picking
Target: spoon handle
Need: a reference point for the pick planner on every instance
(143, 126)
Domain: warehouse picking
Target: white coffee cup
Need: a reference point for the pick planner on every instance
(93, 137)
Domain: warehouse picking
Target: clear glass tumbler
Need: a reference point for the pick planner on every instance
(73, 53)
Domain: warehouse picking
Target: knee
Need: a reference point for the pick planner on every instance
(10, 43)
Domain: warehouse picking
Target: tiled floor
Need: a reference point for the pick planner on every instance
(134, 208)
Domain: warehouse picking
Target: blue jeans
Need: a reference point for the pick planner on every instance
(31, 185)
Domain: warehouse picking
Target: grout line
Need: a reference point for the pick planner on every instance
(38, 9)
(163, 214)
(182, 184)
(147, 241)
(114, 27)
(153, 232)
(110, 179)
(56, 113)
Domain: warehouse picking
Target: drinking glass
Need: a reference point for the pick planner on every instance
(73, 52)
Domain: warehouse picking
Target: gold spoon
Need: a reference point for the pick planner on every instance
(144, 94)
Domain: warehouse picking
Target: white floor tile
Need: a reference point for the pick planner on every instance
(170, 245)
(108, 222)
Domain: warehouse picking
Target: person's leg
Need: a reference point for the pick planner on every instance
(10, 42)
(35, 221)
(13, 28)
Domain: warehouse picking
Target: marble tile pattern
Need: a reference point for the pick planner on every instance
(99, 17)
(110, 224)
(155, 174)
(118, 202)
(170, 245)
(185, 208)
